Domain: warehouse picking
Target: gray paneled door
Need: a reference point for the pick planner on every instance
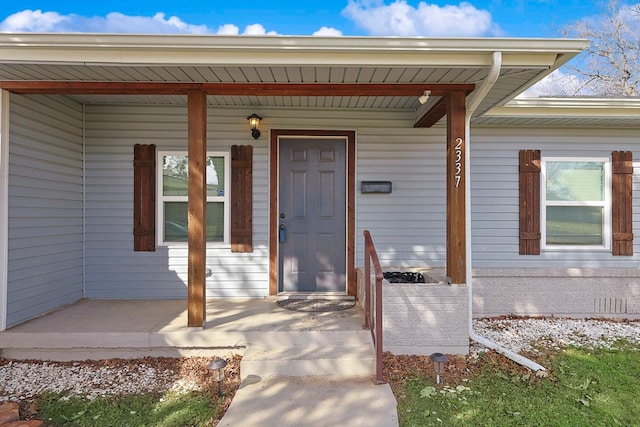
(312, 215)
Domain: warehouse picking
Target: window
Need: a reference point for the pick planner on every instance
(576, 203)
(173, 197)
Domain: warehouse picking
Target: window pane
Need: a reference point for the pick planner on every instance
(575, 181)
(215, 222)
(574, 225)
(175, 222)
(215, 176)
(175, 175)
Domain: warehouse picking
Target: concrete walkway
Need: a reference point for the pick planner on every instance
(312, 402)
(298, 369)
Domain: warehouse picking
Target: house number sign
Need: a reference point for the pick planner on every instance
(458, 163)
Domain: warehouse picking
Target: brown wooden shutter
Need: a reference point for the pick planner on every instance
(241, 198)
(529, 202)
(144, 197)
(621, 199)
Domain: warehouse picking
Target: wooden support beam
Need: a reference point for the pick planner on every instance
(456, 188)
(254, 89)
(434, 115)
(197, 131)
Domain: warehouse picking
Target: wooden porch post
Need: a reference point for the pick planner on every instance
(456, 189)
(197, 134)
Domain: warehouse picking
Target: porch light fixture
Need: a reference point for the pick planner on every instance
(216, 366)
(438, 360)
(254, 121)
(425, 97)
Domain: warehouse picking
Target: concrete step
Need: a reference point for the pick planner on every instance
(303, 338)
(180, 339)
(93, 353)
(309, 360)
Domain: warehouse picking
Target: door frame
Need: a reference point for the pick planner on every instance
(274, 163)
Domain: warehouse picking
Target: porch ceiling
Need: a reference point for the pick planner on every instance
(511, 81)
(117, 58)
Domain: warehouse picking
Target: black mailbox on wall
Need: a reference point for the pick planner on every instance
(375, 187)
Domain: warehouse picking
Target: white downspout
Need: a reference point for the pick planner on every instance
(474, 102)
(84, 201)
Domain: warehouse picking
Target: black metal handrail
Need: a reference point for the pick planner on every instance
(373, 321)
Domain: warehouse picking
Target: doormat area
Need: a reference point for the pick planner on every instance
(316, 305)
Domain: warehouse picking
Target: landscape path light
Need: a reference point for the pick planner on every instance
(438, 360)
(216, 366)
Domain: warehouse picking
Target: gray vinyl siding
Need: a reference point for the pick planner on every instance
(414, 211)
(45, 206)
(494, 192)
(113, 269)
(408, 226)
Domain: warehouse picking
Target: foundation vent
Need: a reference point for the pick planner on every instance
(610, 305)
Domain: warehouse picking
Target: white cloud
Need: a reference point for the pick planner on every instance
(228, 30)
(39, 21)
(118, 23)
(328, 31)
(250, 30)
(401, 19)
(35, 21)
(114, 22)
(257, 30)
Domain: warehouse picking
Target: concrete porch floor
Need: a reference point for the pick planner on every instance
(96, 329)
(298, 369)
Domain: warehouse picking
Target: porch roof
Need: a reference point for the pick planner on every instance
(565, 112)
(263, 60)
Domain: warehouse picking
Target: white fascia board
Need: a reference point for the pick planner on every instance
(122, 49)
(569, 107)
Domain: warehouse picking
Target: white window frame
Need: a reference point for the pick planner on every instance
(161, 199)
(605, 204)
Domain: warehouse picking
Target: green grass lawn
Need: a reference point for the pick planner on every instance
(584, 387)
(196, 409)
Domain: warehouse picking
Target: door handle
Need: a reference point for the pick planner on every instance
(282, 233)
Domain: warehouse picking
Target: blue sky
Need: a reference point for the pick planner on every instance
(503, 18)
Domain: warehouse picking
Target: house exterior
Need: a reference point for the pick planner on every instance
(109, 143)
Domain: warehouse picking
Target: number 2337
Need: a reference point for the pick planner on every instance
(457, 176)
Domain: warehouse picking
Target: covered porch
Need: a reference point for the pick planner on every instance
(184, 92)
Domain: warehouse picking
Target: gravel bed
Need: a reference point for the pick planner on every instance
(22, 380)
(529, 334)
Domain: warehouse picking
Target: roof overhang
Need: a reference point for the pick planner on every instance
(566, 112)
(327, 72)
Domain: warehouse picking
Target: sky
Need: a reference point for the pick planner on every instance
(493, 18)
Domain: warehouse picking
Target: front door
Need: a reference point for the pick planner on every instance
(312, 215)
